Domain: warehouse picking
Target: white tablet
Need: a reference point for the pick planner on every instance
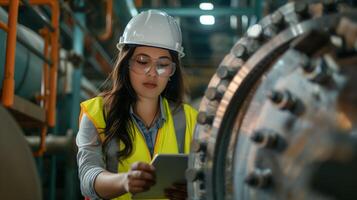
(170, 169)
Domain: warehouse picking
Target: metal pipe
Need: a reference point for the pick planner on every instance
(8, 86)
(45, 75)
(42, 142)
(139, 3)
(94, 41)
(106, 67)
(54, 143)
(28, 64)
(54, 56)
(16, 183)
(34, 50)
(88, 87)
(108, 22)
(258, 9)
(131, 7)
(44, 93)
(78, 48)
(9, 82)
(39, 15)
(101, 51)
(3, 26)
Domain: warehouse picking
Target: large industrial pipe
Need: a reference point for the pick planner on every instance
(19, 177)
(54, 143)
(28, 67)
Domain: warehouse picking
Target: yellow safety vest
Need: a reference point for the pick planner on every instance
(165, 139)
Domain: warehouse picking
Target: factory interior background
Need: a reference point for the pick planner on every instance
(274, 82)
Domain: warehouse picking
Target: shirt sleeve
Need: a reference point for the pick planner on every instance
(89, 157)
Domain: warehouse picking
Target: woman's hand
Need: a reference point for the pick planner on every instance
(139, 178)
(177, 191)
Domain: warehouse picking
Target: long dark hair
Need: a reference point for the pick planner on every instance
(120, 95)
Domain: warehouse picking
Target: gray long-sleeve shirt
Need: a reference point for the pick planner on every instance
(89, 157)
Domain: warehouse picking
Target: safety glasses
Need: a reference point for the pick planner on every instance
(142, 64)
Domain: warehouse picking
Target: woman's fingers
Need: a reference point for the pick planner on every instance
(175, 194)
(181, 186)
(142, 166)
(140, 177)
(137, 185)
(176, 191)
(142, 170)
(137, 174)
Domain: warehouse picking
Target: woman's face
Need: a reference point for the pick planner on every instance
(144, 71)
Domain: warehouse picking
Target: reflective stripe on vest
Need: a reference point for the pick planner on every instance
(180, 126)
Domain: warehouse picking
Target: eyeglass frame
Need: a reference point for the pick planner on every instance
(152, 61)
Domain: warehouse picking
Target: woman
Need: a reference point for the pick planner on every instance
(121, 130)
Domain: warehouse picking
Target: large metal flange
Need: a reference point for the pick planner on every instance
(254, 55)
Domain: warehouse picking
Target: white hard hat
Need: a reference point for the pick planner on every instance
(153, 28)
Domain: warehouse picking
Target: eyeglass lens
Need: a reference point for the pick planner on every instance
(142, 64)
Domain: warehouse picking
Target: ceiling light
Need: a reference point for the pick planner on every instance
(207, 19)
(234, 22)
(206, 6)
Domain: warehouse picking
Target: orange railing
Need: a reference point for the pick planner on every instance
(54, 39)
(49, 82)
(3, 26)
(9, 81)
(108, 22)
(45, 90)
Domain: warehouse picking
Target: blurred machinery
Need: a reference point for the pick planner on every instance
(56, 53)
(42, 84)
(278, 120)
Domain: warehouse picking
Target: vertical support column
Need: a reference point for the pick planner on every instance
(51, 113)
(258, 9)
(9, 82)
(72, 185)
(51, 104)
(53, 172)
(78, 46)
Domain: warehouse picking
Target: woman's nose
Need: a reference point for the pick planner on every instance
(152, 70)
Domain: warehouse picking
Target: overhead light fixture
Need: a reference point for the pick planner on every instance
(207, 19)
(245, 21)
(234, 22)
(206, 6)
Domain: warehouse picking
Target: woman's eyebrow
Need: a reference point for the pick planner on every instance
(141, 54)
(165, 57)
(144, 54)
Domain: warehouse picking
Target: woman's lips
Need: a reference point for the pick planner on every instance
(150, 85)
